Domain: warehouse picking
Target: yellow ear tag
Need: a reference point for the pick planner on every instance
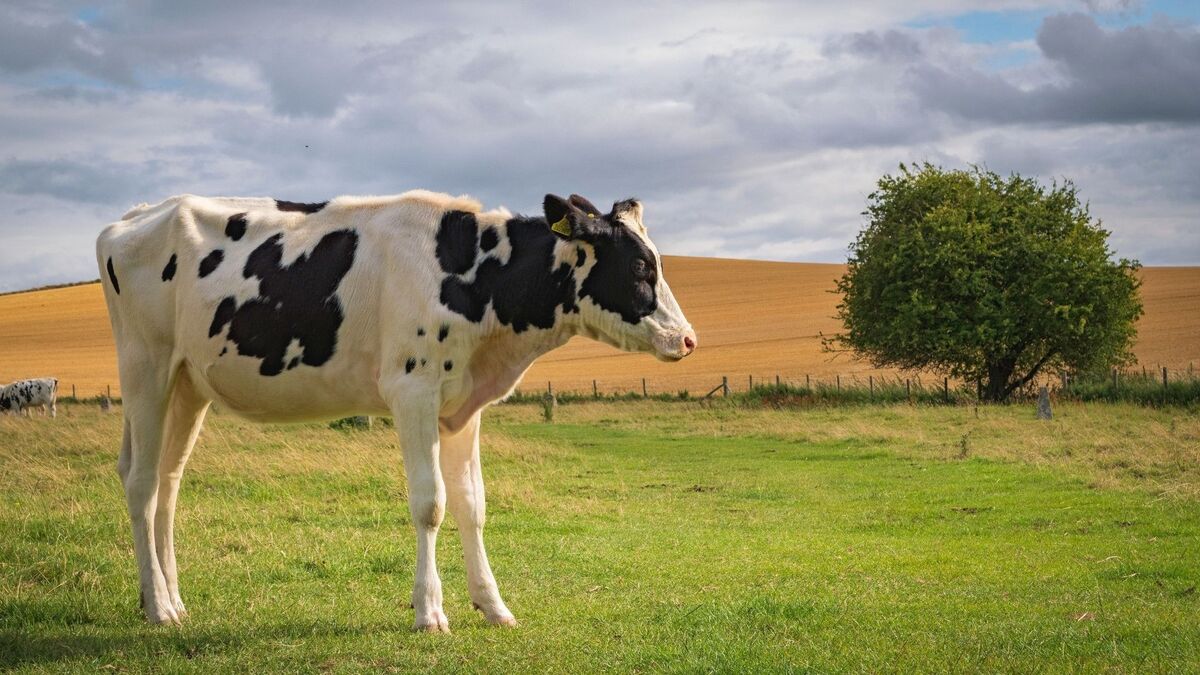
(562, 227)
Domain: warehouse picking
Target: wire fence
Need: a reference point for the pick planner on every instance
(1160, 385)
(1142, 384)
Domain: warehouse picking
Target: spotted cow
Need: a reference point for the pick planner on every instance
(24, 395)
(420, 306)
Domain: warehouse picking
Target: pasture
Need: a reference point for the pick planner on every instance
(753, 318)
(634, 536)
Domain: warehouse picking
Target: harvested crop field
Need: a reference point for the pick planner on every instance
(753, 318)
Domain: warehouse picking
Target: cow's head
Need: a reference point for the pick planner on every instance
(623, 298)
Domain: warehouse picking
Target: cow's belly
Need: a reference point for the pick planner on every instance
(303, 393)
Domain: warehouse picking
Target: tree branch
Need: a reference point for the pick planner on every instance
(1032, 374)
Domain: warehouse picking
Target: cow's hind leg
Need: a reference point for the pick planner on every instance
(416, 417)
(145, 395)
(464, 493)
(184, 418)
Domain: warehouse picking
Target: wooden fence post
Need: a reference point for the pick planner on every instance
(595, 392)
(725, 385)
(549, 389)
(644, 394)
(871, 382)
(751, 387)
(1164, 378)
(776, 379)
(907, 388)
(839, 383)
(108, 387)
(946, 388)
(73, 391)
(807, 383)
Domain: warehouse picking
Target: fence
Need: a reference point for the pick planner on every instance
(1143, 384)
(1150, 386)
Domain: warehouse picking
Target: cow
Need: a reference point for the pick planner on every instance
(34, 393)
(421, 306)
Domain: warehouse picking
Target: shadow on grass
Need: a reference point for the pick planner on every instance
(121, 645)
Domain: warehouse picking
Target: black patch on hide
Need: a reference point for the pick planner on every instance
(456, 242)
(211, 262)
(525, 292)
(301, 207)
(235, 227)
(489, 240)
(297, 301)
(112, 276)
(168, 272)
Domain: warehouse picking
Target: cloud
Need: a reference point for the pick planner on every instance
(29, 43)
(746, 133)
(1136, 74)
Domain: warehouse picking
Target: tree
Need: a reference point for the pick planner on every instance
(988, 279)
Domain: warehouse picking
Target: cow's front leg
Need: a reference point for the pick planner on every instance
(464, 488)
(416, 417)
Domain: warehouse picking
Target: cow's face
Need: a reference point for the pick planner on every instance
(623, 298)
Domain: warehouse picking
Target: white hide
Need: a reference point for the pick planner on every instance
(171, 368)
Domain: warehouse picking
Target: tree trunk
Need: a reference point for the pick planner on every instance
(996, 388)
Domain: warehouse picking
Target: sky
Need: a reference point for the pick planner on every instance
(748, 130)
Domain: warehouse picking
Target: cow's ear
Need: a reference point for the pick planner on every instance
(558, 214)
(629, 210)
(585, 205)
(568, 221)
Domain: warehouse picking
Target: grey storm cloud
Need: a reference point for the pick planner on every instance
(72, 180)
(1136, 74)
(29, 44)
(747, 134)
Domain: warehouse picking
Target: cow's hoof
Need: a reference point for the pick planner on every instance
(158, 614)
(162, 616)
(434, 622)
(504, 620)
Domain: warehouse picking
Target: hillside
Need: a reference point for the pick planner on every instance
(752, 318)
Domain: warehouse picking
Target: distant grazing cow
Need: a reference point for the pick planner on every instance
(420, 306)
(25, 394)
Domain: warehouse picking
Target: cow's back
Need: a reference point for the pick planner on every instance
(276, 309)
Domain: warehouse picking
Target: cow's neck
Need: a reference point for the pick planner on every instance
(499, 360)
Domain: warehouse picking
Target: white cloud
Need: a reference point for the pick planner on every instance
(751, 132)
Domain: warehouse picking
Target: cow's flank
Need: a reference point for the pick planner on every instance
(295, 302)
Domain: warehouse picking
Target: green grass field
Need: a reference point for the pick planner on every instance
(635, 536)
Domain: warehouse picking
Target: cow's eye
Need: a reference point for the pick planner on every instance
(639, 268)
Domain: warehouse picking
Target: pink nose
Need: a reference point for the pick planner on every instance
(689, 344)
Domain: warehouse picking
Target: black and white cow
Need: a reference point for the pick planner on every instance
(23, 395)
(420, 306)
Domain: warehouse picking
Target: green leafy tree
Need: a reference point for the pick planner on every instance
(988, 279)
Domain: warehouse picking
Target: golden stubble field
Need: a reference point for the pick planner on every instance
(752, 318)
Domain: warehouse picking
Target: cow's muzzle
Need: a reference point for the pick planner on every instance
(673, 345)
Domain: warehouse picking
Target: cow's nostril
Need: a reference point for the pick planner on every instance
(689, 343)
